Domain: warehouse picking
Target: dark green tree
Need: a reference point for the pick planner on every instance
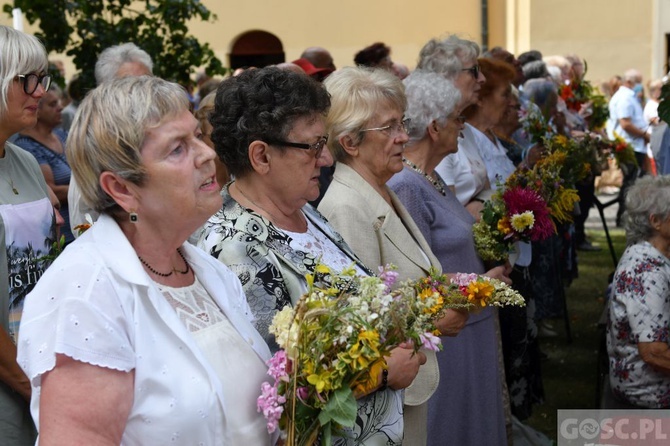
(84, 28)
(664, 105)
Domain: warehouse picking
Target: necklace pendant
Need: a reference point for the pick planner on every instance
(16, 192)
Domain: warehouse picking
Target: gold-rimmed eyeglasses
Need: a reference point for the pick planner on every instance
(393, 130)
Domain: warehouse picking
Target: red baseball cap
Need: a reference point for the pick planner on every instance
(310, 69)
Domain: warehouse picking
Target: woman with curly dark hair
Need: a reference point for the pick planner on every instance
(376, 55)
(269, 129)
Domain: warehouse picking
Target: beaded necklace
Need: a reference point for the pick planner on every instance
(437, 184)
(188, 267)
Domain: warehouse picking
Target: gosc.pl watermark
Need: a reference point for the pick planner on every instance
(613, 427)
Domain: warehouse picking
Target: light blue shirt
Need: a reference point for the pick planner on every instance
(624, 104)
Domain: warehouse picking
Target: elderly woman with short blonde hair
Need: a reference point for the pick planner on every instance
(134, 336)
(368, 131)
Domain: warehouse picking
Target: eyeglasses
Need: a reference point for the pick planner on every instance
(317, 146)
(474, 70)
(460, 119)
(392, 130)
(31, 81)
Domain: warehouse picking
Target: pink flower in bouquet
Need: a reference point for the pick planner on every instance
(302, 393)
(430, 342)
(464, 279)
(277, 365)
(519, 202)
(388, 276)
(270, 404)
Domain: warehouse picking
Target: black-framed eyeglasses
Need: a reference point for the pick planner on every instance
(393, 130)
(31, 81)
(317, 147)
(473, 70)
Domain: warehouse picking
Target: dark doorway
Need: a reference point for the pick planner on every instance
(256, 49)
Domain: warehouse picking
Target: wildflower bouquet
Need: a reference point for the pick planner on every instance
(581, 93)
(534, 126)
(578, 159)
(333, 346)
(484, 291)
(573, 97)
(334, 341)
(545, 179)
(621, 150)
(600, 112)
(511, 215)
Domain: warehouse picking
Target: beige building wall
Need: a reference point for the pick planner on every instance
(612, 35)
(344, 26)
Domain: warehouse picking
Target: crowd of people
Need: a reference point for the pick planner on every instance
(198, 217)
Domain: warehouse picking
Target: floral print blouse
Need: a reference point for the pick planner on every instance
(272, 271)
(639, 312)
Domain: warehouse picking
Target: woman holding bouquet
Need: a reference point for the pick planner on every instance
(268, 129)
(471, 385)
(133, 336)
(368, 132)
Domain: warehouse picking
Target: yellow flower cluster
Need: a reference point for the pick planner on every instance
(480, 292)
(521, 222)
(504, 226)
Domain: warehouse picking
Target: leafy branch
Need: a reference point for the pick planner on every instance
(84, 28)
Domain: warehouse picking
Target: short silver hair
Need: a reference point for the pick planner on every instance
(430, 97)
(632, 75)
(20, 53)
(111, 59)
(446, 56)
(649, 196)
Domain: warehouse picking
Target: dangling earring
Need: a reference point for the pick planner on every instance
(133, 217)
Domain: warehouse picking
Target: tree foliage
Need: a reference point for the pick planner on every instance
(84, 28)
(664, 105)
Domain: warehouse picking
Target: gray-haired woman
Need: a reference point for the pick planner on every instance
(471, 358)
(639, 314)
(455, 59)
